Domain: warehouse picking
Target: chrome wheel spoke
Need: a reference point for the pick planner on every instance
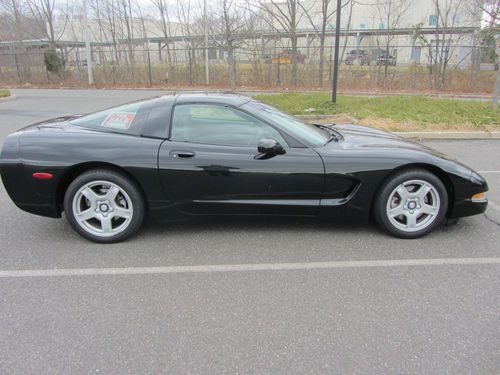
(112, 193)
(122, 212)
(411, 221)
(403, 192)
(428, 209)
(86, 215)
(90, 195)
(423, 191)
(106, 224)
(396, 211)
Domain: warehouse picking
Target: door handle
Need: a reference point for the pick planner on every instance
(182, 154)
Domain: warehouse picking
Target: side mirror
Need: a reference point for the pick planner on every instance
(268, 147)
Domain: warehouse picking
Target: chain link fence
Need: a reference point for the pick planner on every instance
(363, 68)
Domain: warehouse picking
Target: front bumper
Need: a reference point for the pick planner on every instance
(467, 207)
(464, 205)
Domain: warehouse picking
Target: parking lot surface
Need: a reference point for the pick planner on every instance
(246, 296)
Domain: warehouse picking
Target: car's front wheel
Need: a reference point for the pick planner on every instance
(104, 206)
(411, 204)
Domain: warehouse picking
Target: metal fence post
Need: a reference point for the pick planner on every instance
(337, 42)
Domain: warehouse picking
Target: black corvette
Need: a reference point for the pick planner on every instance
(221, 154)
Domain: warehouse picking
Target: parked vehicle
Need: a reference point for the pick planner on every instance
(361, 57)
(214, 154)
(384, 58)
(287, 56)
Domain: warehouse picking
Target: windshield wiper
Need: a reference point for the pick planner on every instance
(333, 134)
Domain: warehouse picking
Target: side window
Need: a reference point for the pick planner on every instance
(219, 125)
(128, 118)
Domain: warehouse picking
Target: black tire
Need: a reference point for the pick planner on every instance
(381, 213)
(129, 192)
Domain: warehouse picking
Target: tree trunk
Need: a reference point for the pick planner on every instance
(386, 63)
(321, 56)
(293, 38)
(496, 94)
(170, 64)
(190, 60)
(231, 66)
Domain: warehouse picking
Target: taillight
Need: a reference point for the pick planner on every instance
(42, 175)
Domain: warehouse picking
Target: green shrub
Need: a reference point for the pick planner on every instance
(54, 62)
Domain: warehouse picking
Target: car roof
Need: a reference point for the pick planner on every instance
(208, 97)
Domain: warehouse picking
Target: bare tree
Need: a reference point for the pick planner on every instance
(164, 24)
(445, 42)
(490, 10)
(348, 27)
(390, 14)
(144, 36)
(125, 12)
(227, 21)
(189, 17)
(328, 9)
(16, 24)
(106, 15)
(43, 12)
(255, 47)
(285, 16)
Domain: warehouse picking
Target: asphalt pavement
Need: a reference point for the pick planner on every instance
(246, 296)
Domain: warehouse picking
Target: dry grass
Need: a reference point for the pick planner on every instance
(409, 126)
(394, 113)
(414, 79)
(393, 125)
(4, 93)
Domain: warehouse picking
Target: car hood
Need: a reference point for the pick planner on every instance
(388, 149)
(362, 137)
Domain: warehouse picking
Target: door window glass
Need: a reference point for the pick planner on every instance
(219, 125)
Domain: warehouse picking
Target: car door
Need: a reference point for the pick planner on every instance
(208, 166)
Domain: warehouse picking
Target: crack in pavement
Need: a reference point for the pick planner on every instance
(491, 219)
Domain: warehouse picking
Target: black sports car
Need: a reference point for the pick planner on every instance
(221, 154)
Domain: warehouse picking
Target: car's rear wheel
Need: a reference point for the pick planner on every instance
(104, 206)
(411, 204)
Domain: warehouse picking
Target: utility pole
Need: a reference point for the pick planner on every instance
(207, 76)
(336, 57)
(87, 43)
(496, 93)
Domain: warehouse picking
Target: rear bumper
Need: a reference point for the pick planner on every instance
(31, 195)
(42, 209)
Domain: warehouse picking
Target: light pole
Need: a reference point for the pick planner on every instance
(87, 43)
(207, 76)
(336, 57)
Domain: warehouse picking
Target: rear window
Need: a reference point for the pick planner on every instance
(128, 118)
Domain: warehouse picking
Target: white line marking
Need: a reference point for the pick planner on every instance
(489, 172)
(493, 205)
(248, 267)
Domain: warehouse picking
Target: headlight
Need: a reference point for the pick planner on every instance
(479, 197)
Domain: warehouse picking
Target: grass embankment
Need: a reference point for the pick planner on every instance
(4, 93)
(394, 113)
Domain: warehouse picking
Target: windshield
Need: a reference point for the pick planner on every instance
(309, 133)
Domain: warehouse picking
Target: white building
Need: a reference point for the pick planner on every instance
(412, 24)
